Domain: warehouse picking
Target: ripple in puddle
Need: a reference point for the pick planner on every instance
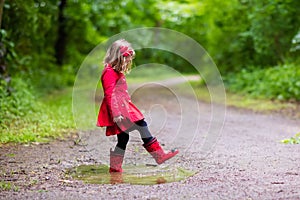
(138, 175)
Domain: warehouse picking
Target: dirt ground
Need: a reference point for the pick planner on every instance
(247, 161)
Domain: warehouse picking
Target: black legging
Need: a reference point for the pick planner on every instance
(142, 127)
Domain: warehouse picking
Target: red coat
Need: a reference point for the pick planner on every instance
(116, 102)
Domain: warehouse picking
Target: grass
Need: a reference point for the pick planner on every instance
(11, 155)
(151, 72)
(292, 140)
(52, 119)
(242, 101)
(6, 186)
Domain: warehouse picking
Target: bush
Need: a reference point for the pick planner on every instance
(280, 82)
(16, 103)
(25, 118)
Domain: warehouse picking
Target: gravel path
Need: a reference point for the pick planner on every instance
(247, 162)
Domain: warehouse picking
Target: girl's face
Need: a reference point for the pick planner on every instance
(129, 56)
(128, 60)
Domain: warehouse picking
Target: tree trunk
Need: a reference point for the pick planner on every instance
(60, 46)
(1, 11)
(2, 47)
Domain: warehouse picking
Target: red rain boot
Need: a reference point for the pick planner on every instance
(154, 148)
(116, 160)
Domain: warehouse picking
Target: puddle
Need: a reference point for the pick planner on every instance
(138, 175)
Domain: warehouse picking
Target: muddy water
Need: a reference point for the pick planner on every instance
(136, 175)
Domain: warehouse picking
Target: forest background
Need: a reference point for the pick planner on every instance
(254, 43)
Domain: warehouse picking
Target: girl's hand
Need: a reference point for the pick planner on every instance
(118, 119)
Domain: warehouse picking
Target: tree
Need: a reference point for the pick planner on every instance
(274, 23)
(1, 10)
(3, 70)
(61, 42)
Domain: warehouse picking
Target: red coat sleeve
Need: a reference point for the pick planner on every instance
(109, 80)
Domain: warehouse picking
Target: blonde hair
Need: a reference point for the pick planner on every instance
(116, 57)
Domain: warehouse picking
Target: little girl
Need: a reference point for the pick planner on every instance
(117, 113)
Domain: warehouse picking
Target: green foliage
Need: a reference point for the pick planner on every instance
(15, 104)
(225, 24)
(281, 82)
(7, 50)
(250, 32)
(292, 140)
(27, 119)
(236, 33)
(272, 28)
(29, 27)
(239, 100)
(146, 56)
(47, 80)
(6, 186)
